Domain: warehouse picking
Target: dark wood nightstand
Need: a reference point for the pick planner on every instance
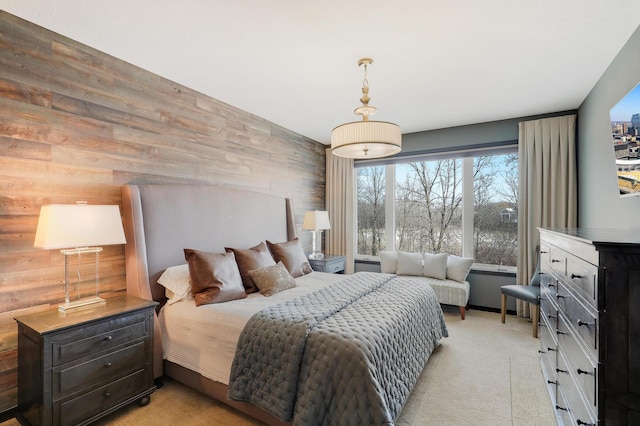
(330, 263)
(78, 366)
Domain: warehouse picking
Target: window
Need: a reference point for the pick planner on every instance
(464, 206)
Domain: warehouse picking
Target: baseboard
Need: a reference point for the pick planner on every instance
(8, 414)
(489, 309)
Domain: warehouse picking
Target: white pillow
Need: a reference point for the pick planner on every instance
(458, 267)
(388, 262)
(435, 265)
(177, 282)
(409, 263)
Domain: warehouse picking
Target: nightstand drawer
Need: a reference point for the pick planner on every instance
(102, 399)
(92, 372)
(109, 334)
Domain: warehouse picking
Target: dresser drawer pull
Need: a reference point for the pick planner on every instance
(541, 352)
(575, 276)
(108, 338)
(543, 252)
(580, 322)
(555, 261)
(561, 408)
(561, 371)
(561, 332)
(559, 296)
(551, 382)
(107, 364)
(107, 394)
(552, 285)
(551, 349)
(582, 371)
(580, 422)
(552, 316)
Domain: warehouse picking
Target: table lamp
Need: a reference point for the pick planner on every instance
(74, 228)
(316, 221)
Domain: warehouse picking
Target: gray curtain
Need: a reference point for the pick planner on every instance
(547, 187)
(340, 203)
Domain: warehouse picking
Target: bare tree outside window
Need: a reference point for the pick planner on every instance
(371, 199)
(428, 214)
(428, 208)
(495, 221)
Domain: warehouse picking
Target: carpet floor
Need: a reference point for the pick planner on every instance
(484, 373)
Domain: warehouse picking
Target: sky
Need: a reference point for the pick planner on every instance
(627, 106)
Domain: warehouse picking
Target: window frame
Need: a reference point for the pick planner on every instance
(466, 155)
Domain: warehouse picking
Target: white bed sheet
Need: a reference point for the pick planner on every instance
(204, 338)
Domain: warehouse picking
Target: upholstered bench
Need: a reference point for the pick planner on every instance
(445, 273)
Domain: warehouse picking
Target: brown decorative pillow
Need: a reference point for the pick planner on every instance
(249, 259)
(292, 255)
(272, 279)
(214, 277)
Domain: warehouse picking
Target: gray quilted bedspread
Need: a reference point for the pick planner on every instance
(348, 354)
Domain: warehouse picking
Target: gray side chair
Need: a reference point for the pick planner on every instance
(529, 293)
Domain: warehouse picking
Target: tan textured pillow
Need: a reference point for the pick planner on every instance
(292, 255)
(249, 259)
(214, 277)
(272, 279)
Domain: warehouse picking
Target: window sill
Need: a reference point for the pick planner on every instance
(477, 268)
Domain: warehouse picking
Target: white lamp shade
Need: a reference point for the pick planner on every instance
(315, 220)
(366, 139)
(78, 225)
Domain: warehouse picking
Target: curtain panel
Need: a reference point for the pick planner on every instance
(547, 187)
(340, 203)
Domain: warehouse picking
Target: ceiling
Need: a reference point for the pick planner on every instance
(436, 63)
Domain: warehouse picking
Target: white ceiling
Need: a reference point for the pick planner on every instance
(436, 63)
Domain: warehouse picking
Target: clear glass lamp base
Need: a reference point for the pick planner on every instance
(87, 302)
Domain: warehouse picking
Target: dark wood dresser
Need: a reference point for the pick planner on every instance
(590, 324)
(78, 366)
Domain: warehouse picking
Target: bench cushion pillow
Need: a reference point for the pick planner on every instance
(435, 265)
(409, 263)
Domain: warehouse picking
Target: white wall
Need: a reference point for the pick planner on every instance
(600, 205)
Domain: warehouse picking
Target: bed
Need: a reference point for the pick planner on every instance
(378, 353)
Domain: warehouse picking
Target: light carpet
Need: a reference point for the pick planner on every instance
(484, 373)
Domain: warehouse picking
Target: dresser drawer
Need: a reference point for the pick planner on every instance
(548, 308)
(74, 411)
(558, 261)
(108, 334)
(571, 393)
(548, 350)
(583, 278)
(580, 317)
(581, 368)
(90, 373)
(569, 411)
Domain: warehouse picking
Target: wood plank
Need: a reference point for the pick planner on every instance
(77, 124)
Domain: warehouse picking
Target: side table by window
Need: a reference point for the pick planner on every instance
(330, 263)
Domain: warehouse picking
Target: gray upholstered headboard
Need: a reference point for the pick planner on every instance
(161, 220)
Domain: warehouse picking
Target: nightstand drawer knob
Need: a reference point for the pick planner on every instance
(108, 338)
(107, 364)
(107, 394)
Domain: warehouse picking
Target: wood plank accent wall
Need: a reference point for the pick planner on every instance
(77, 124)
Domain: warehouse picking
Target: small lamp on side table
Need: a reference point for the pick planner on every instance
(316, 221)
(74, 227)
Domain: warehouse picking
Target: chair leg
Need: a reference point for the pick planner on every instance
(462, 309)
(503, 307)
(535, 317)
